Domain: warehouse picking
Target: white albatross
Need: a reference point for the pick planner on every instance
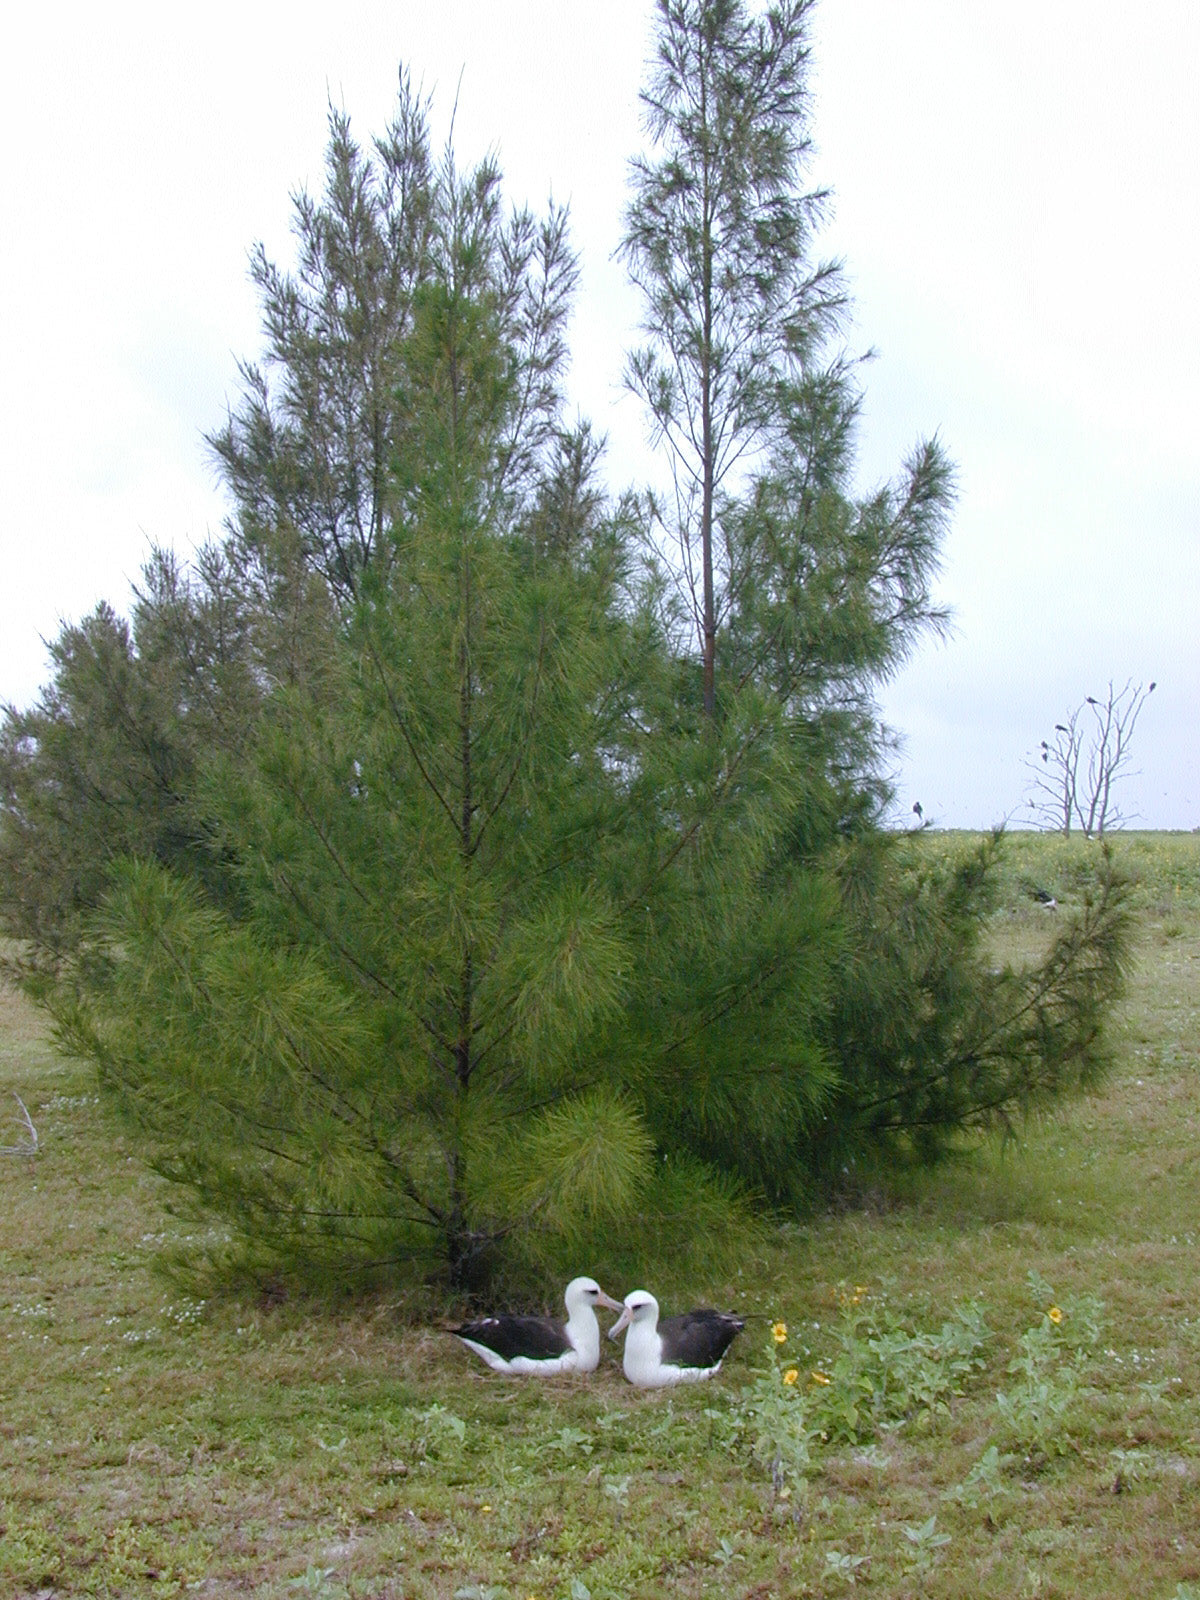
(543, 1345)
(679, 1349)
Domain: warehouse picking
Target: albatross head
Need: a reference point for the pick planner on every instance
(640, 1308)
(583, 1292)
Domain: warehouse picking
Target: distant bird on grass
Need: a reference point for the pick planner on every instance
(680, 1349)
(1043, 897)
(543, 1346)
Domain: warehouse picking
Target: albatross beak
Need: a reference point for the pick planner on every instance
(607, 1301)
(622, 1322)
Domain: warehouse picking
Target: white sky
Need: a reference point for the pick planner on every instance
(1016, 197)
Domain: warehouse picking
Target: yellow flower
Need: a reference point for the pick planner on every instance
(821, 1377)
(1054, 1314)
(779, 1332)
(790, 1375)
(485, 1508)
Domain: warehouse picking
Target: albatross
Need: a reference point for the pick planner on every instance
(543, 1345)
(677, 1350)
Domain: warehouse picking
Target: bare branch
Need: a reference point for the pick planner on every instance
(1055, 768)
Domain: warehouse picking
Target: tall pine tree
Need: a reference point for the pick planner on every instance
(378, 1047)
(429, 901)
(803, 595)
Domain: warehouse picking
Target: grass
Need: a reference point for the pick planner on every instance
(154, 1445)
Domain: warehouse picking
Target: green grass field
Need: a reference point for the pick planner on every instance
(996, 1386)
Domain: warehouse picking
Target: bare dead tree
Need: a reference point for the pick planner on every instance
(1108, 759)
(1055, 769)
(1065, 792)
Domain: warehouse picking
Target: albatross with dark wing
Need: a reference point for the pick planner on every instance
(677, 1350)
(543, 1345)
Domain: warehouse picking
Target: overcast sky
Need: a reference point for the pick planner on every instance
(1016, 199)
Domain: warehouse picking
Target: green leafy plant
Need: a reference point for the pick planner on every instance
(882, 1373)
(886, 1372)
(1047, 1374)
(774, 1414)
(318, 1581)
(925, 1544)
(725, 1553)
(438, 1428)
(569, 1441)
(843, 1567)
(984, 1482)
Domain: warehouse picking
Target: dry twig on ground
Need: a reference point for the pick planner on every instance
(29, 1146)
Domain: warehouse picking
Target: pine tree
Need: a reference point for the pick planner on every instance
(379, 1048)
(105, 762)
(718, 239)
(423, 908)
(804, 597)
(934, 1040)
(309, 453)
(800, 587)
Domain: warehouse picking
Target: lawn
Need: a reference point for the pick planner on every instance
(981, 1382)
